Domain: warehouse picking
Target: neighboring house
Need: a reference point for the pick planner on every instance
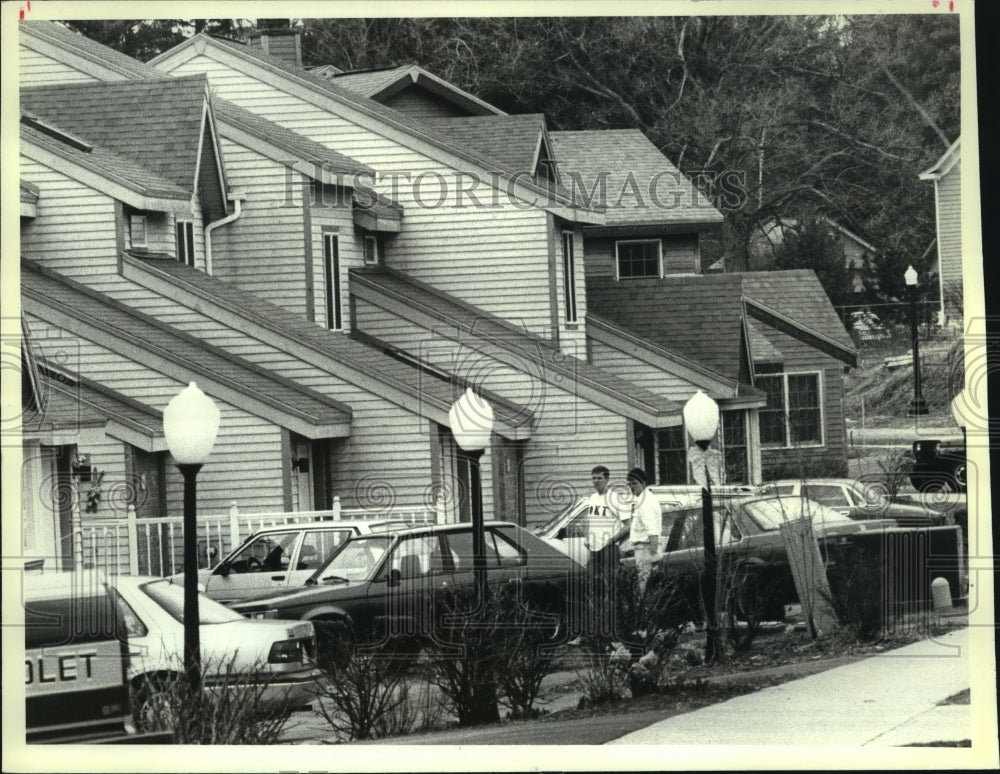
(334, 257)
(859, 254)
(947, 177)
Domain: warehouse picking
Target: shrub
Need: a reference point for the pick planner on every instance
(232, 711)
(368, 695)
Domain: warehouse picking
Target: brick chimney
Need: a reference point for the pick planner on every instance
(278, 38)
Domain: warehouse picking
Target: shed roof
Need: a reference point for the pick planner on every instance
(365, 353)
(565, 370)
(156, 123)
(276, 398)
(642, 185)
(702, 316)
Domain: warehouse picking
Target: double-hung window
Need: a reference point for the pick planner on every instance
(569, 277)
(793, 415)
(185, 241)
(639, 258)
(331, 271)
(370, 250)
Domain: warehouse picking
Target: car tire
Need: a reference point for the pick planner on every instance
(335, 643)
(154, 702)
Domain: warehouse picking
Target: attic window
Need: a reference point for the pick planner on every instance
(137, 230)
(371, 250)
(638, 258)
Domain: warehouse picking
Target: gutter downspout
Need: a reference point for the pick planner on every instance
(237, 198)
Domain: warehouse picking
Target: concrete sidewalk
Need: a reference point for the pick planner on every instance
(892, 699)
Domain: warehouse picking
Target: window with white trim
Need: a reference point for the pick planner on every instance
(184, 231)
(569, 277)
(793, 415)
(371, 250)
(331, 272)
(639, 258)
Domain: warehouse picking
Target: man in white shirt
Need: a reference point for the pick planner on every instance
(604, 529)
(646, 524)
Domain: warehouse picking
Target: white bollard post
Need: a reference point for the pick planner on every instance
(941, 593)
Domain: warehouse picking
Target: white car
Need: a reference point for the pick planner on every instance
(281, 557)
(574, 530)
(276, 655)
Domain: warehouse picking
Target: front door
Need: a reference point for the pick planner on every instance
(145, 474)
(508, 480)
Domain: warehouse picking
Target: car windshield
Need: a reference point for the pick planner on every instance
(356, 559)
(553, 524)
(170, 596)
(771, 514)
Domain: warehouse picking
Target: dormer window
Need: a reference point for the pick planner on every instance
(371, 250)
(137, 230)
(185, 241)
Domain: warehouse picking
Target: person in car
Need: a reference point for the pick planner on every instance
(645, 524)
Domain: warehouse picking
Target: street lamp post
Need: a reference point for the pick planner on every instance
(471, 419)
(701, 418)
(918, 407)
(190, 424)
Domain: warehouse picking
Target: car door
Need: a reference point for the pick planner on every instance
(406, 594)
(260, 566)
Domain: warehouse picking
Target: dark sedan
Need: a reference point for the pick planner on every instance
(752, 550)
(399, 586)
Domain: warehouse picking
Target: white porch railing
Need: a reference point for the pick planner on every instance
(154, 546)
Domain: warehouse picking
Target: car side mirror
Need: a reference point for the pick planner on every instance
(561, 534)
(395, 577)
(223, 570)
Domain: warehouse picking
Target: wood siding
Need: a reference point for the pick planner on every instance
(418, 102)
(486, 250)
(641, 373)
(246, 462)
(569, 435)
(263, 251)
(74, 229)
(949, 206)
(37, 69)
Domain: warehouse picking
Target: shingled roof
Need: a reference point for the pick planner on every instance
(510, 141)
(418, 127)
(67, 39)
(364, 82)
(564, 370)
(364, 353)
(105, 163)
(701, 317)
(281, 400)
(155, 123)
(659, 193)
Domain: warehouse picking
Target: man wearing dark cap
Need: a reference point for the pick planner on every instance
(645, 524)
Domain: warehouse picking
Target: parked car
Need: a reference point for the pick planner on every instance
(852, 498)
(383, 585)
(574, 528)
(75, 680)
(751, 546)
(866, 326)
(277, 655)
(280, 557)
(939, 465)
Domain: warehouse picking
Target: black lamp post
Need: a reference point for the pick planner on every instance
(917, 407)
(701, 418)
(190, 424)
(471, 420)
